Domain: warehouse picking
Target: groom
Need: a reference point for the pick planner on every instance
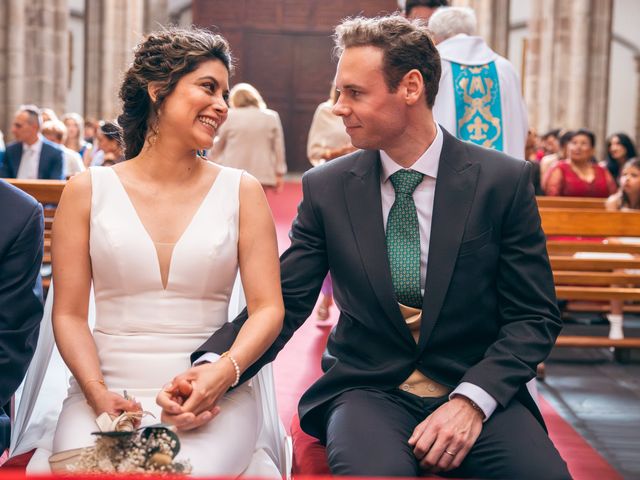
(441, 273)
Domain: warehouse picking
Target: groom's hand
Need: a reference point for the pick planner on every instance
(443, 439)
(189, 401)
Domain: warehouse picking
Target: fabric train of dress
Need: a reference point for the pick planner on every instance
(144, 334)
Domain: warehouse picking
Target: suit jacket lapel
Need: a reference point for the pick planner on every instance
(362, 193)
(455, 189)
(43, 163)
(16, 160)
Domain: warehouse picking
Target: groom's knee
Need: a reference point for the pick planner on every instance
(367, 435)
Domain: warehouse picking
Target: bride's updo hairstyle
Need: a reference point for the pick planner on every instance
(163, 57)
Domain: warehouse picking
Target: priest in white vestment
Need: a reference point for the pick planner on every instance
(479, 97)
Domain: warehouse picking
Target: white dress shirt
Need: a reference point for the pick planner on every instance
(423, 197)
(30, 160)
(72, 162)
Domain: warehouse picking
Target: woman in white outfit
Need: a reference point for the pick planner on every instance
(162, 236)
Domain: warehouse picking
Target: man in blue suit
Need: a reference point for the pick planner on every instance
(31, 156)
(21, 246)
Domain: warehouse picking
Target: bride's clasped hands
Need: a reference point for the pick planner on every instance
(190, 399)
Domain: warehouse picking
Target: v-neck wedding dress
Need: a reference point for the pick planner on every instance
(145, 331)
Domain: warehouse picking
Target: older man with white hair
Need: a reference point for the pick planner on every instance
(479, 97)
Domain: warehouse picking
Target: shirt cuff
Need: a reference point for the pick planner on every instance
(478, 396)
(208, 357)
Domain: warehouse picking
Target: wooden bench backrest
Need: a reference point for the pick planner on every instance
(571, 202)
(48, 193)
(589, 223)
(45, 191)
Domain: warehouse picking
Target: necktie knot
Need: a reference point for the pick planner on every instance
(406, 181)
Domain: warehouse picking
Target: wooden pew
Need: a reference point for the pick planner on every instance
(45, 191)
(48, 193)
(571, 202)
(580, 276)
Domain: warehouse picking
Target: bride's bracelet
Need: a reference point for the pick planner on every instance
(94, 380)
(235, 366)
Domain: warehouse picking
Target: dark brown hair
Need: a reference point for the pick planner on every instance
(411, 4)
(405, 46)
(163, 57)
(625, 201)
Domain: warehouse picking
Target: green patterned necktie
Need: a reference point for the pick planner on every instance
(403, 239)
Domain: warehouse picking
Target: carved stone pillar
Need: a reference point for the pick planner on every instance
(112, 29)
(34, 55)
(567, 65)
(493, 21)
(156, 14)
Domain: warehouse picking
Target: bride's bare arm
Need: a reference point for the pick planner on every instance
(72, 278)
(260, 273)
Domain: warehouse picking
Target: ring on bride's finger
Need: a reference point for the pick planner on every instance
(450, 453)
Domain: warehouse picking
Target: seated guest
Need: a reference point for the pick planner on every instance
(580, 175)
(56, 132)
(626, 198)
(75, 127)
(21, 246)
(620, 150)
(48, 114)
(628, 195)
(551, 160)
(109, 144)
(31, 156)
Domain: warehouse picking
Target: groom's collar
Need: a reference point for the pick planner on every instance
(427, 163)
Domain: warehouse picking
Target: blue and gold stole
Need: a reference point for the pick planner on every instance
(478, 110)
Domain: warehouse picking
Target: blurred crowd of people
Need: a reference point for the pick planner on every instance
(565, 164)
(51, 147)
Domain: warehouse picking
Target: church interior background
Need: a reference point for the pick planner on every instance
(579, 60)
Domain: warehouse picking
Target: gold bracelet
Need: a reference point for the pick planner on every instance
(101, 382)
(235, 366)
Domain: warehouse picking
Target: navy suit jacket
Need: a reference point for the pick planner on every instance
(50, 166)
(21, 248)
(489, 314)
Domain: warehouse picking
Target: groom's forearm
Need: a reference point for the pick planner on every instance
(222, 339)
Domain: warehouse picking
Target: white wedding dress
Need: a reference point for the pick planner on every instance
(145, 333)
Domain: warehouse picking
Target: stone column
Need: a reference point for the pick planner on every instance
(597, 99)
(567, 65)
(156, 14)
(493, 21)
(112, 29)
(34, 52)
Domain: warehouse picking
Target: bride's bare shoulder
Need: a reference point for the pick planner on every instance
(75, 201)
(78, 187)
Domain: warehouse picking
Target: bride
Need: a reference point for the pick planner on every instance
(162, 236)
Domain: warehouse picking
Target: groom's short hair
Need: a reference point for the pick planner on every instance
(405, 44)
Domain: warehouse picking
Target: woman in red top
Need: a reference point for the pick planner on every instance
(579, 175)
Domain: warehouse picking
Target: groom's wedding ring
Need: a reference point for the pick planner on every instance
(450, 453)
